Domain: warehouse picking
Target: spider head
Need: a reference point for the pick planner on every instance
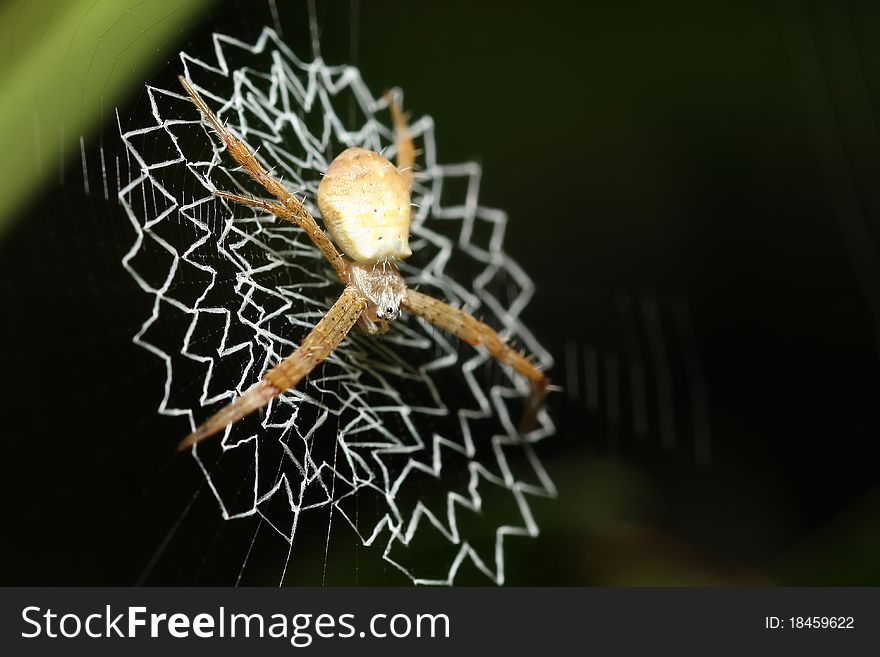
(387, 294)
(382, 284)
(388, 312)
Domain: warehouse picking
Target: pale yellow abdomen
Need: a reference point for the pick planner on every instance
(365, 202)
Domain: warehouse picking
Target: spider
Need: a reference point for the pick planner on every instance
(364, 200)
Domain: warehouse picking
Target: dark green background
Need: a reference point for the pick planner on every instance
(726, 154)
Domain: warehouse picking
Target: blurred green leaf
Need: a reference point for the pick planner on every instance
(63, 68)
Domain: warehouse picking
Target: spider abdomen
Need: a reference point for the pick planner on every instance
(365, 202)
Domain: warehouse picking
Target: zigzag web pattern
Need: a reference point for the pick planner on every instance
(399, 436)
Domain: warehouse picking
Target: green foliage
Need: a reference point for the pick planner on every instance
(63, 69)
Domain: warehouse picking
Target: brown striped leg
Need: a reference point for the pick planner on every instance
(406, 150)
(478, 334)
(282, 212)
(318, 344)
(295, 211)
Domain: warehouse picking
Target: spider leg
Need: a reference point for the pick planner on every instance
(295, 210)
(282, 212)
(272, 207)
(406, 150)
(476, 333)
(316, 346)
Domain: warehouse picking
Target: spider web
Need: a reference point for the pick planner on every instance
(404, 437)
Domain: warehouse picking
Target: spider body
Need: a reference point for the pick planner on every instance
(365, 202)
